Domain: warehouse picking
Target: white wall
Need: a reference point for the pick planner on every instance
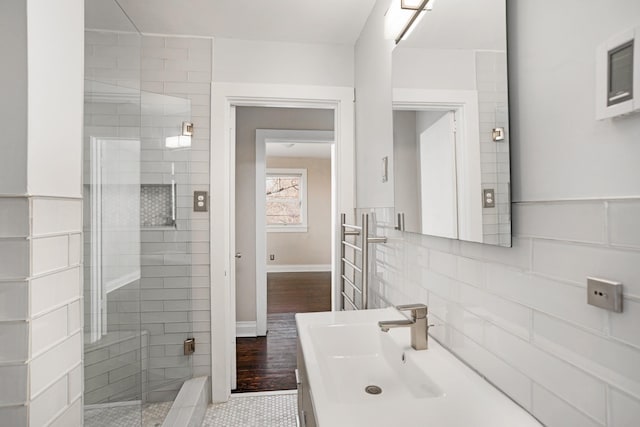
(553, 84)
(244, 61)
(519, 315)
(433, 68)
(13, 103)
(56, 67)
(374, 121)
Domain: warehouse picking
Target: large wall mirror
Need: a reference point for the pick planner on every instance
(451, 123)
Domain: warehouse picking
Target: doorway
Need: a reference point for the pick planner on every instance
(283, 205)
(226, 97)
(456, 161)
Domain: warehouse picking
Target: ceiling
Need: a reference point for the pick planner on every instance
(302, 21)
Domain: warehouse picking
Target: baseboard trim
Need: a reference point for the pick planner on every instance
(300, 268)
(246, 329)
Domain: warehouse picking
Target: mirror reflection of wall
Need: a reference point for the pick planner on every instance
(424, 142)
(454, 61)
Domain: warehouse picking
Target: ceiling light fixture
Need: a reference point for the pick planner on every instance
(419, 6)
(415, 4)
(410, 4)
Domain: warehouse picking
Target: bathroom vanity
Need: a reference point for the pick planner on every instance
(350, 373)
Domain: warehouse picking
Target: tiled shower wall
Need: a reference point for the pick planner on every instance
(491, 83)
(175, 264)
(40, 311)
(519, 315)
(174, 289)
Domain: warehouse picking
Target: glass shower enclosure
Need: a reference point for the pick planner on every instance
(137, 262)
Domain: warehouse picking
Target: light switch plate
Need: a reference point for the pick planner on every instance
(604, 294)
(200, 201)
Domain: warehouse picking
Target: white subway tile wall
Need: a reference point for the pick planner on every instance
(179, 277)
(491, 83)
(519, 315)
(41, 368)
(115, 367)
(48, 403)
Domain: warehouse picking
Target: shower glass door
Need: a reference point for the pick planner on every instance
(115, 346)
(137, 229)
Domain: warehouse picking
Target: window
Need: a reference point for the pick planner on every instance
(286, 205)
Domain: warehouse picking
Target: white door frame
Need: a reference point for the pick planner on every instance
(224, 98)
(465, 104)
(264, 136)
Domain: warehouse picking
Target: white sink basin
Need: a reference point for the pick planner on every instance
(344, 352)
(354, 357)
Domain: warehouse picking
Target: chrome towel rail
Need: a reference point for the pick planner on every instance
(363, 269)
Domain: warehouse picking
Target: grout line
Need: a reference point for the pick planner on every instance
(607, 237)
(578, 199)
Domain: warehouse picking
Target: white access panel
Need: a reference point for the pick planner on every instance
(603, 108)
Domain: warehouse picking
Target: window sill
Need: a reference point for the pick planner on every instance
(287, 229)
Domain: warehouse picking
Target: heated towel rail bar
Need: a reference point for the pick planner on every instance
(359, 252)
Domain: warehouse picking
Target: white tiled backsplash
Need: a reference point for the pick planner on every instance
(519, 315)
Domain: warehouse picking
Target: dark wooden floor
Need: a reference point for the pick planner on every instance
(268, 363)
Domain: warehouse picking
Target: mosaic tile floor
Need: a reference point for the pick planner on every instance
(242, 410)
(127, 416)
(254, 410)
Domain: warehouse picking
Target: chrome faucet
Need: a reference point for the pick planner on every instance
(417, 323)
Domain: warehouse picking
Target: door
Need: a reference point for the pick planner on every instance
(438, 174)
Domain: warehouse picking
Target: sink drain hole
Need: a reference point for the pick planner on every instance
(373, 389)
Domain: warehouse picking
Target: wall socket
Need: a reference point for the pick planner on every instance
(604, 294)
(200, 201)
(489, 198)
(272, 257)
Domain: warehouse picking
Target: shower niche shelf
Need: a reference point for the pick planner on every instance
(158, 206)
